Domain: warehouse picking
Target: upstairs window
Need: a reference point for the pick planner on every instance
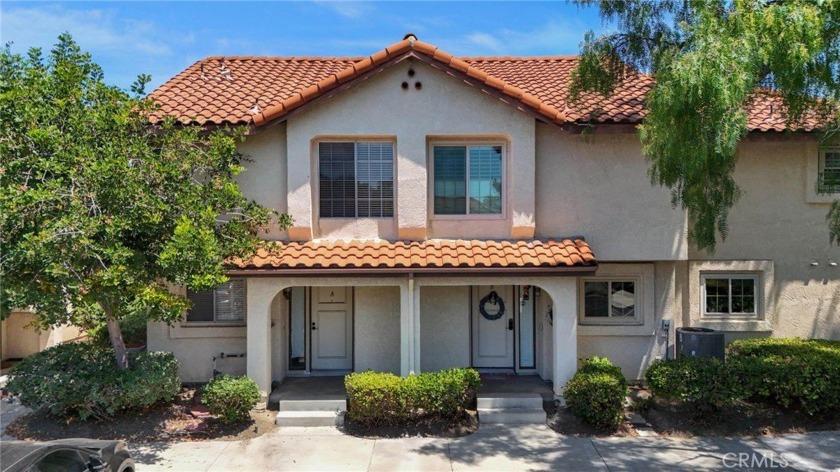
(356, 179)
(730, 295)
(224, 304)
(829, 178)
(467, 180)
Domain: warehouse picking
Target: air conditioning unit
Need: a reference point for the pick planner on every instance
(700, 342)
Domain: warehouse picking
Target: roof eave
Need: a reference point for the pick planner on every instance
(416, 271)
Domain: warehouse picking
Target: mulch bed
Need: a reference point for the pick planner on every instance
(430, 427)
(173, 422)
(563, 421)
(741, 419)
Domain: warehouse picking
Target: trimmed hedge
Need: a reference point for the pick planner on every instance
(705, 381)
(81, 380)
(596, 393)
(787, 371)
(381, 398)
(231, 398)
(791, 372)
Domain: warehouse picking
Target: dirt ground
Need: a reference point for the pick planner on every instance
(563, 421)
(172, 422)
(741, 419)
(432, 427)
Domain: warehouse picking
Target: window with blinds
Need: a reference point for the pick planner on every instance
(467, 180)
(224, 304)
(356, 179)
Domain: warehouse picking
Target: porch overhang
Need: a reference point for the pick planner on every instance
(474, 258)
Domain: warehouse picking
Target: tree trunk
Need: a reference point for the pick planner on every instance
(115, 334)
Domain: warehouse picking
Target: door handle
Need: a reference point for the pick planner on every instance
(313, 326)
(510, 324)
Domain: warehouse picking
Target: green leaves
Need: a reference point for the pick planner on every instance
(596, 393)
(709, 59)
(100, 210)
(231, 398)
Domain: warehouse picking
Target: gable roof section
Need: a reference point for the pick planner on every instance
(564, 255)
(256, 90)
(395, 52)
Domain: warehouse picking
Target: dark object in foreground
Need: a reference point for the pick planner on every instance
(67, 455)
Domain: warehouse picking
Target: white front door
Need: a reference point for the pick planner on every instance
(331, 328)
(492, 326)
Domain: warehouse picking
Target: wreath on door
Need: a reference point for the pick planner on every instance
(494, 299)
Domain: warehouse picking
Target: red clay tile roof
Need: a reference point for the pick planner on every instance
(254, 90)
(431, 254)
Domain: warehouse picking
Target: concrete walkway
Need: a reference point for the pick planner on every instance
(496, 448)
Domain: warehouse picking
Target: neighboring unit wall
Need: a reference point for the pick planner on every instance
(21, 340)
(773, 225)
(444, 327)
(377, 329)
(597, 186)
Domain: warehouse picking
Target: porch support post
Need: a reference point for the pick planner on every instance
(564, 308)
(260, 293)
(409, 329)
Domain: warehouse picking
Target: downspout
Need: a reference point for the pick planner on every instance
(411, 325)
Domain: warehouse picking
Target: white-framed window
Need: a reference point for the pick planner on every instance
(730, 295)
(223, 304)
(468, 179)
(828, 180)
(356, 179)
(613, 300)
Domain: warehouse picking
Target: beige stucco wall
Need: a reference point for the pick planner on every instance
(597, 186)
(774, 222)
(444, 109)
(444, 327)
(264, 177)
(376, 322)
(194, 347)
(20, 340)
(634, 347)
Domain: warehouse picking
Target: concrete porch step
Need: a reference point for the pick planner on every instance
(512, 416)
(510, 400)
(313, 405)
(309, 418)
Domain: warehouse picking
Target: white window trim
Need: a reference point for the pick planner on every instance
(821, 164)
(758, 295)
(468, 143)
(638, 315)
(198, 324)
(316, 176)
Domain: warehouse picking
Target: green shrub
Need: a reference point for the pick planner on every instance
(231, 398)
(790, 372)
(704, 381)
(81, 380)
(382, 398)
(596, 393)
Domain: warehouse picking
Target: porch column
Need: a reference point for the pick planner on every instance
(563, 291)
(409, 329)
(260, 293)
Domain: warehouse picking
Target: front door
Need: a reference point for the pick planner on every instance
(331, 328)
(492, 326)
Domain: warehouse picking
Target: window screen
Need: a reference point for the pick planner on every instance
(613, 301)
(356, 179)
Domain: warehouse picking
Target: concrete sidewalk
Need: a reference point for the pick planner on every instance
(492, 448)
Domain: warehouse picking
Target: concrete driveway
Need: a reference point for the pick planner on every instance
(492, 448)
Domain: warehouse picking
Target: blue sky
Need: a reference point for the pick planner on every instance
(163, 38)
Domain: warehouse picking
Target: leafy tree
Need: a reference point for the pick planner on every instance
(709, 58)
(101, 210)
